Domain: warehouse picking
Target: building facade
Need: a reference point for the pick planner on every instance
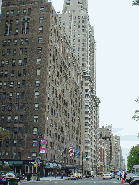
(40, 89)
(74, 21)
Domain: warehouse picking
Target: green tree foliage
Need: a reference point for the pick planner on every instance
(133, 157)
(136, 112)
(135, 2)
(5, 168)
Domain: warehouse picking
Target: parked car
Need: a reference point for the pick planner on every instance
(106, 175)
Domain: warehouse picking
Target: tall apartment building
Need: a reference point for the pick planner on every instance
(74, 21)
(106, 147)
(40, 88)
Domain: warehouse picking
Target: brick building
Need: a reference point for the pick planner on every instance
(40, 88)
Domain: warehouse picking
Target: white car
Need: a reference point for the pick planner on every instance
(107, 175)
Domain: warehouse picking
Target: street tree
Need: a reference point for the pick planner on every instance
(133, 157)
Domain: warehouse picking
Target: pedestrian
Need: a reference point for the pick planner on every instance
(125, 176)
(120, 175)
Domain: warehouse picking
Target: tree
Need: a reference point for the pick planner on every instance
(135, 2)
(136, 112)
(133, 157)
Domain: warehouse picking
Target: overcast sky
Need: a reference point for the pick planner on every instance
(117, 58)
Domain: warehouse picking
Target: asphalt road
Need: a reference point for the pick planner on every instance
(84, 181)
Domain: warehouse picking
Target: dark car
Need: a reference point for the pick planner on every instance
(21, 177)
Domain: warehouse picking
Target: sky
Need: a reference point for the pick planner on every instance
(117, 65)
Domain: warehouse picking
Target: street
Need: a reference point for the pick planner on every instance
(88, 181)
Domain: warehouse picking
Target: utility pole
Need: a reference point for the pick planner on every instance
(82, 163)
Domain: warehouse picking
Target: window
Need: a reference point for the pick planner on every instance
(15, 41)
(9, 41)
(4, 96)
(14, 52)
(35, 130)
(1, 73)
(20, 62)
(13, 62)
(41, 9)
(22, 95)
(34, 154)
(16, 119)
(11, 95)
(17, 107)
(36, 106)
(20, 130)
(5, 84)
(10, 107)
(14, 142)
(21, 41)
(29, 11)
(36, 119)
(38, 72)
(40, 29)
(20, 51)
(7, 142)
(2, 119)
(9, 119)
(24, 72)
(17, 21)
(11, 84)
(36, 94)
(4, 43)
(12, 73)
(34, 142)
(25, 51)
(18, 84)
(19, 155)
(22, 107)
(26, 40)
(6, 73)
(18, 12)
(23, 83)
(0, 84)
(21, 118)
(8, 52)
(2, 63)
(17, 95)
(40, 39)
(7, 14)
(19, 142)
(38, 60)
(16, 31)
(37, 83)
(41, 20)
(7, 62)
(25, 61)
(19, 72)
(24, 11)
(3, 107)
(39, 50)
(15, 130)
